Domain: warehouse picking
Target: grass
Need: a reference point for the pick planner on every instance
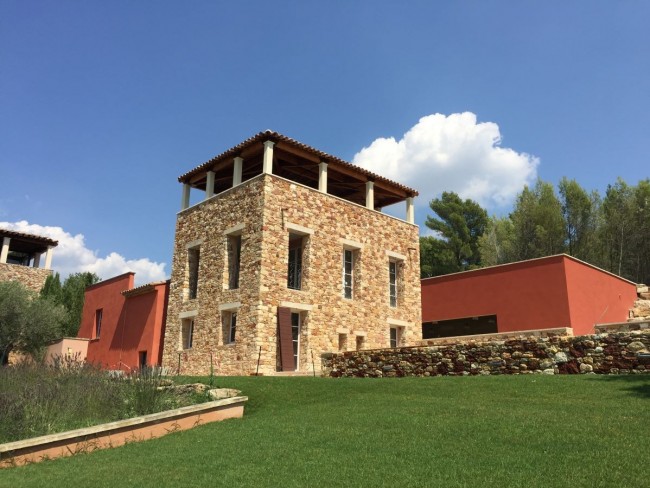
(533, 431)
(37, 400)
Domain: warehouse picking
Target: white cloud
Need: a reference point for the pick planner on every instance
(452, 153)
(72, 256)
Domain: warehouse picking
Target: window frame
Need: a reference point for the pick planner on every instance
(348, 274)
(187, 337)
(393, 274)
(295, 278)
(296, 331)
(230, 323)
(99, 317)
(233, 248)
(193, 266)
(394, 342)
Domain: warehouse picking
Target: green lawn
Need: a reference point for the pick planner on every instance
(505, 431)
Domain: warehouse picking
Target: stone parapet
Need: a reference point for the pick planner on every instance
(619, 353)
(32, 278)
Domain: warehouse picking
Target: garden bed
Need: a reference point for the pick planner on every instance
(115, 434)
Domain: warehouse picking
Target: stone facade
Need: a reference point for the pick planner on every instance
(616, 353)
(32, 278)
(265, 211)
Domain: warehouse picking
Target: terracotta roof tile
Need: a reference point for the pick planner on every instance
(32, 237)
(276, 136)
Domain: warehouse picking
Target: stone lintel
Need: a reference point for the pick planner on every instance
(228, 307)
(396, 255)
(298, 229)
(398, 322)
(234, 230)
(194, 243)
(299, 307)
(188, 315)
(349, 244)
(342, 331)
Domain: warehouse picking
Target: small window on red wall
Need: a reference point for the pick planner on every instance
(98, 322)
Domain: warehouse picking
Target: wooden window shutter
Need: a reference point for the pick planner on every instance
(285, 339)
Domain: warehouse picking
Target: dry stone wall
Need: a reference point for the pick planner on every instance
(32, 278)
(620, 353)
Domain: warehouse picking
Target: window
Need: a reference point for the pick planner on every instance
(193, 256)
(187, 333)
(229, 327)
(294, 280)
(395, 336)
(142, 359)
(392, 280)
(234, 260)
(343, 342)
(348, 272)
(360, 342)
(98, 322)
(295, 337)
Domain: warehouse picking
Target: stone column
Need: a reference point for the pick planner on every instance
(209, 185)
(37, 260)
(237, 171)
(185, 199)
(370, 195)
(5, 249)
(267, 166)
(48, 257)
(322, 177)
(410, 211)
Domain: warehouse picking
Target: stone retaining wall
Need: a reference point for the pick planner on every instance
(619, 353)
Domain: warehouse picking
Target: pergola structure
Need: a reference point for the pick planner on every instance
(273, 153)
(25, 249)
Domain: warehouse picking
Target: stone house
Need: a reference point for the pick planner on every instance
(21, 258)
(288, 256)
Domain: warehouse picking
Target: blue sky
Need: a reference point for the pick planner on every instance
(104, 104)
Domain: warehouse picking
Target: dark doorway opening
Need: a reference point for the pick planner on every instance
(486, 324)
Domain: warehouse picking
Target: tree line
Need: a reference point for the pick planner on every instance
(610, 231)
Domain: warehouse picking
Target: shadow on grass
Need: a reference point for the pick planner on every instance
(638, 384)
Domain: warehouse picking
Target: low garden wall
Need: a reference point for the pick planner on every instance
(118, 433)
(616, 353)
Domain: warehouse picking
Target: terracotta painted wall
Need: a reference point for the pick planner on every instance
(107, 296)
(142, 330)
(524, 296)
(552, 292)
(596, 297)
(130, 324)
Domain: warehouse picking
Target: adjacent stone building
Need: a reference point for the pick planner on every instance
(287, 257)
(21, 258)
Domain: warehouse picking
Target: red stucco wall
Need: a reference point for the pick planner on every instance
(596, 297)
(129, 324)
(551, 292)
